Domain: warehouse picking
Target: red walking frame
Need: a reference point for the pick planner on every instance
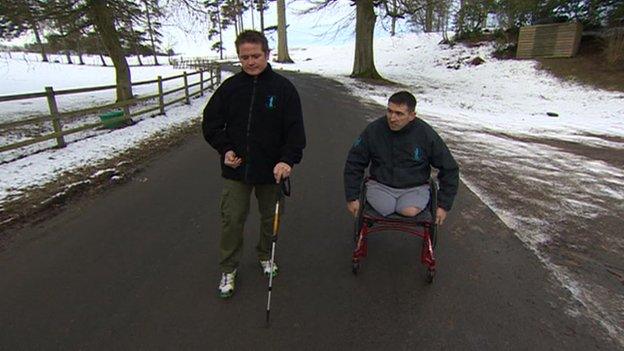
(368, 221)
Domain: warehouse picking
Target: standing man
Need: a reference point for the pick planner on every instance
(400, 149)
(254, 121)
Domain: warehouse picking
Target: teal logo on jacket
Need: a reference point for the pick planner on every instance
(357, 142)
(417, 154)
(271, 102)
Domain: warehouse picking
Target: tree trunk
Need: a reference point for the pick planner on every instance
(68, 56)
(103, 60)
(261, 7)
(150, 31)
(282, 41)
(364, 63)
(103, 20)
(429, 17)
(460, 19)
(220, 35)
(394, 19)
(35, 29)
(100, 50)
(79, 48)
(251, 11)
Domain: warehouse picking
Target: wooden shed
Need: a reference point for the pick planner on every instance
(549, 40)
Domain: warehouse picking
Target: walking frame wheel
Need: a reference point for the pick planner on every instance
(430, 275)
(355, 268)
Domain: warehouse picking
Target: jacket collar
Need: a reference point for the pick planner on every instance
(263, 75)
(405, 129)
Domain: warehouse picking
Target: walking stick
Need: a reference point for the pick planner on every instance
(284, 191)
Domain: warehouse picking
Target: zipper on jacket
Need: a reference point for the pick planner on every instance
(392, 154)
(253, 96)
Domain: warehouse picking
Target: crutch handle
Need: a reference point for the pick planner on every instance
(285, 186)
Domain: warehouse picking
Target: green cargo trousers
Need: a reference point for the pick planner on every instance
(234, 210)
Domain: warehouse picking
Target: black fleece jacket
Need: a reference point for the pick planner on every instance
(401, 159)
(260, 119)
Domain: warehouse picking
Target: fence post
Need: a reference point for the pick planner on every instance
(201, 82)
(56, 121)
(161, 97)
(126, 111)
(186, 89)
(218, 74)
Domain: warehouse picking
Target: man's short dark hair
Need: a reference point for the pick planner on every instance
(254, 37)
(404, 98)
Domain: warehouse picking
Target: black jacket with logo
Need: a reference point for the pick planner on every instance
(260, 119)
(401, 159)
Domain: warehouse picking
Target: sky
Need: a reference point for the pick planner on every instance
(497, 118)
(189, 37)
(303, 30)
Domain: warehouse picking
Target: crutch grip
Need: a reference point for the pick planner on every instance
(285, 186)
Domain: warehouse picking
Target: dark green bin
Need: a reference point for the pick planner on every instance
(113, 119)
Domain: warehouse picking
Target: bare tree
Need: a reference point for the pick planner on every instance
(365, 19)
(364, 62)
(282, 41)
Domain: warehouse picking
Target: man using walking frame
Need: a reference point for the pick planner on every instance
(254, 120)
(400, 149)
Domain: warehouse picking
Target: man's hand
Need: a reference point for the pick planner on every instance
(353, 207)
(231, 160)
(281, 171)
(440, 215)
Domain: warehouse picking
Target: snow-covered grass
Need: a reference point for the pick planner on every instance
(493, 116)
(502, 95)
(24, 72)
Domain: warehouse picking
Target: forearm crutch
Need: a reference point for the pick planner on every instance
(284, 191)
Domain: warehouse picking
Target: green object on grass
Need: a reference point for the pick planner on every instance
(113, 119)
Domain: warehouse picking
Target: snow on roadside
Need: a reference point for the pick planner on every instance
(43, 167)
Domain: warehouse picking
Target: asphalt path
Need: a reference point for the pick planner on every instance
(136, 268)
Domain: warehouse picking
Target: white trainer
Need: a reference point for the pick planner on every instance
(226, 286)
(266, 267)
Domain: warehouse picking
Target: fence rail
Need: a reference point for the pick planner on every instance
(191, 63)
(209, 77)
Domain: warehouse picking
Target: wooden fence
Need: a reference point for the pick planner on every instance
(208, 78)
(549, 40)
(197, 63)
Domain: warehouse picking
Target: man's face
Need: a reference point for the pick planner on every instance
(252, 58)
(399, 116)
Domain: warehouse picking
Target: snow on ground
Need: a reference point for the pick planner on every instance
(494, 116)
(25, 73)
(504, 95)
(97, 145)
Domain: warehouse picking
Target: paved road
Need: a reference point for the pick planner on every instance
(136, 268)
